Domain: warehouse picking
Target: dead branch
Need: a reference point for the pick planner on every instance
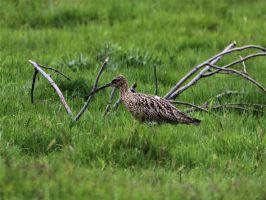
(190, 104)
(244, 66)
(217, 97)
(235, 106)
(173, 92)
(33, 84)
(214, 103)
(240, 74)
(226, 93)
(88, 99)
(236, 62)
(116, 104)
(110, 101)
(179, 87)
(248, 104)
(55, 70)
(53, 84)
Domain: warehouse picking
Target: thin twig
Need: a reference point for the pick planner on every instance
(55, 70)
(236, 62)
(190, 104)
(237, 49)
(220, 95)
(33, 84)
(235, 107)
(87, 102)
(56, 88)
(215, 98)
(155, 79)
(116, 104)
(244, 66)
(110, 101)
(248, 104)
(240, 74)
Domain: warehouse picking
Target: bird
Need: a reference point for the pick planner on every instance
(148, 108)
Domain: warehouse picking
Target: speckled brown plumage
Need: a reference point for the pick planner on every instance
(148, 108)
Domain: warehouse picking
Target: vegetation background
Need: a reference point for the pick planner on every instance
(42, 157)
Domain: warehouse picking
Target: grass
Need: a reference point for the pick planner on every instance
(42, 157)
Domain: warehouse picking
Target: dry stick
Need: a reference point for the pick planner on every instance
(220, 95)
(56, 88)
(236, 62)
(247, 104)
(244, 66)
(240, 74)
(190, 104)
(155, 79)
(33, 84)
(110, 101)
(235, 107)
(86, 104)
(55, 70)
(116, 104)
(217, 97)
(237, 49)
(175, 91)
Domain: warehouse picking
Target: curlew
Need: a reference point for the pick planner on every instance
(148, 108)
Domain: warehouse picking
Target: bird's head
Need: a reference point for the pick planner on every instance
(119, 81)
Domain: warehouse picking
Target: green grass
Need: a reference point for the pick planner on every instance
(43, 157)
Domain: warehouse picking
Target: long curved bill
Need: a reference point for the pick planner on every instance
(98, 89)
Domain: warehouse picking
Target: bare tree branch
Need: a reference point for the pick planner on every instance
(33, 84)
(240, 74)
(87, 102)
(116, 104)
(244, 66)
(56, 88)
(247, 104)
(177, 89)
(213, 99)
(235, 107)
(237, 49)
(55, 70)
(236, 62)
(190, 104)
(226, 93)
(110, 101)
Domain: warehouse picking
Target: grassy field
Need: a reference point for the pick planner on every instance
(42, 157)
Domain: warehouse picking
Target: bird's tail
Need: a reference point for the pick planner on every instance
(196, 121)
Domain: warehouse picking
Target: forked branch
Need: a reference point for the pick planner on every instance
(206, 68)
(53, 84)
(58, 91)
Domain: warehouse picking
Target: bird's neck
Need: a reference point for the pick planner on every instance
(123, 90)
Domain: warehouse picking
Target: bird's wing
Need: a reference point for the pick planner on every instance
(162, 110)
